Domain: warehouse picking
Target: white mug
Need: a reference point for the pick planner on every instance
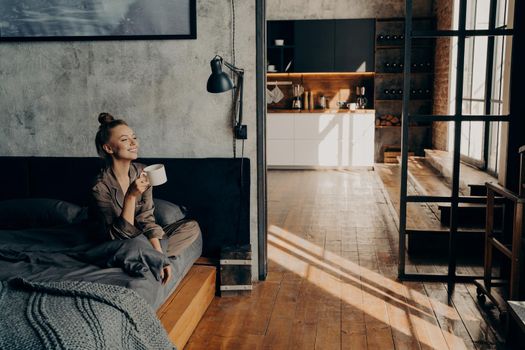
(279, 42)
(156, 174)
(271, 67)
(352, 106)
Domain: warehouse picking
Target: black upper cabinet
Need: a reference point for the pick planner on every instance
(314, 46)
(345, 45)
(354, 45)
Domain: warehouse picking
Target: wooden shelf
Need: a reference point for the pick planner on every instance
(401, 73)
(323, 111)
(399, 126)
(336, 75)
(388, 47)
(401, 100)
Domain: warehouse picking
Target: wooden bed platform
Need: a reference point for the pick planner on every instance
(183, 310)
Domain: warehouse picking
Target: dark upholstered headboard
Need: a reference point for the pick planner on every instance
(209, 187)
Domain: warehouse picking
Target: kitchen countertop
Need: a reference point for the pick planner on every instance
(327, 111)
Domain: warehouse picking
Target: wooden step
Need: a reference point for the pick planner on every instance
(181, 313)
(469, 214)
(477, 190)
(442, 162)
(469, 242)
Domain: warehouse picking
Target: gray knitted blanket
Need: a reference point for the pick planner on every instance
(76, 315)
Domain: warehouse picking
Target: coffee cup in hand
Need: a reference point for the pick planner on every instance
(156, 174)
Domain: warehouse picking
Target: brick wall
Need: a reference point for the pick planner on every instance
(443, 10)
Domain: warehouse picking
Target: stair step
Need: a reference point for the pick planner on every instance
(470, 214)
(477, 190)
(470, 243)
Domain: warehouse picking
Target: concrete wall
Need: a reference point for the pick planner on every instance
(341, 9)
(444, 15)
(51, 93)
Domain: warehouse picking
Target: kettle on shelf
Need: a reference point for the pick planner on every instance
(361, 100)
(297, 90)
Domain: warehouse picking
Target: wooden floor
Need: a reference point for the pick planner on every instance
(332, 279)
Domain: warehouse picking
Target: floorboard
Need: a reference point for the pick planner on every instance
(332, 247)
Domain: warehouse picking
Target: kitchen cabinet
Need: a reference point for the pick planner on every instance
(354, 45)
(314, 46)
(281, 128)
(281, 152)
(333, 140)
(323, 45)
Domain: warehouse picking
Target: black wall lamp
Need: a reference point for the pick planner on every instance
(236, 259)
(220, 82)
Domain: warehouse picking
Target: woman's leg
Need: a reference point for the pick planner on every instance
(181, 235)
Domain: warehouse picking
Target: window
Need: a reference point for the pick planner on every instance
(480, 141)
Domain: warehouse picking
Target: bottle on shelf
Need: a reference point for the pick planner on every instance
(306, 105)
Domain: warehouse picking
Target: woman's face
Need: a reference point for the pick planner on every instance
(123, 143)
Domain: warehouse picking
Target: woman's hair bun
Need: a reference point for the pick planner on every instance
(105, 118)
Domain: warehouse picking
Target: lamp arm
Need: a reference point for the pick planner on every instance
(229, 65)
(240, 86)
(233, 68)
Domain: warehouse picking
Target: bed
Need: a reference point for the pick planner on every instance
(36, 258)
(68, 253)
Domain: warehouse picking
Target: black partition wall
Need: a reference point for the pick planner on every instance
(461, 33)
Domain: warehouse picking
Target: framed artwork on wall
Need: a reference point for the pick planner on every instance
(57, 20)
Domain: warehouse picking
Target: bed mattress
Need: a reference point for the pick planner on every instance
(52, 254)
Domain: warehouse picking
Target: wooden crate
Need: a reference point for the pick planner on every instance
(236, 270)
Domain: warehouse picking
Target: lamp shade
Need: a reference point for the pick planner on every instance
(218, 80)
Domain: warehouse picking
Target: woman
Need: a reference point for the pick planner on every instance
(123, 195)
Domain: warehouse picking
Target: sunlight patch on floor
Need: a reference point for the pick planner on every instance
(377, 296)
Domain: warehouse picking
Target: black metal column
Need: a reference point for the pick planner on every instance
(404, 139)
(489, 75)
(262, 195)
(452, 251)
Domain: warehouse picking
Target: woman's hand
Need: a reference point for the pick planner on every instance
(166, 274)
(138, 186)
